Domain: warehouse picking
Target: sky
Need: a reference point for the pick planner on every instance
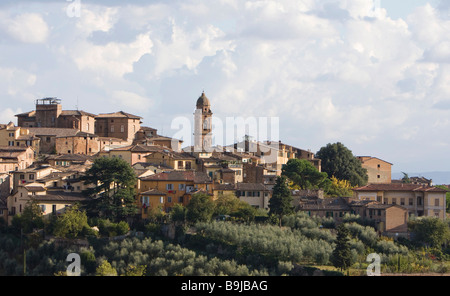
(371, 74)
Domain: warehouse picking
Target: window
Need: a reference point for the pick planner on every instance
(378, 176)
(53, 209)
(379, 166)
(188, 165)
(22, 177)
(411, 201)
(394, 201)
(169, 199)
(31, 177)
(145, 201)
(112, 128)
(419, 201)
(169, 186)
(122, 128)
(180, 199)
(402, 201)
(436, 202)
(10, 143)
(181, 186)
(43, 208)
(47, 139)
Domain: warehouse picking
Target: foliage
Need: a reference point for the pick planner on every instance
(406, 178)
(342, 256)
(178, 213)
(339, 161)
(229, 204)
(303, 174)
(200, 208)
(112, 190)
(429, 231)
(280, 204)
(31, 218)
(272, 242)
(110, 229)
(339, 188)
(105, 269)
(70, 224)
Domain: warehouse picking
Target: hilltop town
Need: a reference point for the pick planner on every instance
(44, 157)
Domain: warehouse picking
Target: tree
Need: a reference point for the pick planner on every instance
(339, 188)
(429, 231)
(70, 224)
(303, 174)
(339, 161)
(31, 217)
(112, 194)
(405, 178)
(342, 256)
(447, 196)
(200, 208)
(105, 269)
(280, 204)
(178, 213)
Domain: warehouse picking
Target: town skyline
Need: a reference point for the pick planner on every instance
(311, 64)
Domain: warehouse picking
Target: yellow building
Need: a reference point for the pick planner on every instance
(11, 135)
(169, 188)
(419, 200)
(50, 202)
(176, 160)
(131, 154)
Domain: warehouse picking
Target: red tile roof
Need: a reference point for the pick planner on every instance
(399, 187)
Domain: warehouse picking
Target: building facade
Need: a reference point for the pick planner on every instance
(378, 170)
(419, 200)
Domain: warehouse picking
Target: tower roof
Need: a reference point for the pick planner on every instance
(203, 101)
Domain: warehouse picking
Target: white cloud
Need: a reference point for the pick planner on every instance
(113, 59)
(331, 70)
(26, 27)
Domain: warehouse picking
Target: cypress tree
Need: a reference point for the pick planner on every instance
(342, 256)
(280, 203)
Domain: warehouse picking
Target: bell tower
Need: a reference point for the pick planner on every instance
(203, 125)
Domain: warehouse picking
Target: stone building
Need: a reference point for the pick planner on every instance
(119, 125)
(49, 114)
(11, 135)
(203, 125)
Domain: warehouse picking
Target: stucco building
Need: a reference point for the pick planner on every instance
(379, 171)
(419, 200)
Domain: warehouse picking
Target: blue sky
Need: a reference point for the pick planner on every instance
(376, 80)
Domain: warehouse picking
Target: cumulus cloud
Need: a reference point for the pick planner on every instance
(330, 70)
(26, 27)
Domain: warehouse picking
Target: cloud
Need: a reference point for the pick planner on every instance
(329, 70)
(25, 27)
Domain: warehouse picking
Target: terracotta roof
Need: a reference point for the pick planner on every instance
(399, 187)
(76, 113)
(153, 192)
(139, 148)
(193, 176)
(119, 114)
(60, 196)
(250, 186)
(57, 132)
(366, 158)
